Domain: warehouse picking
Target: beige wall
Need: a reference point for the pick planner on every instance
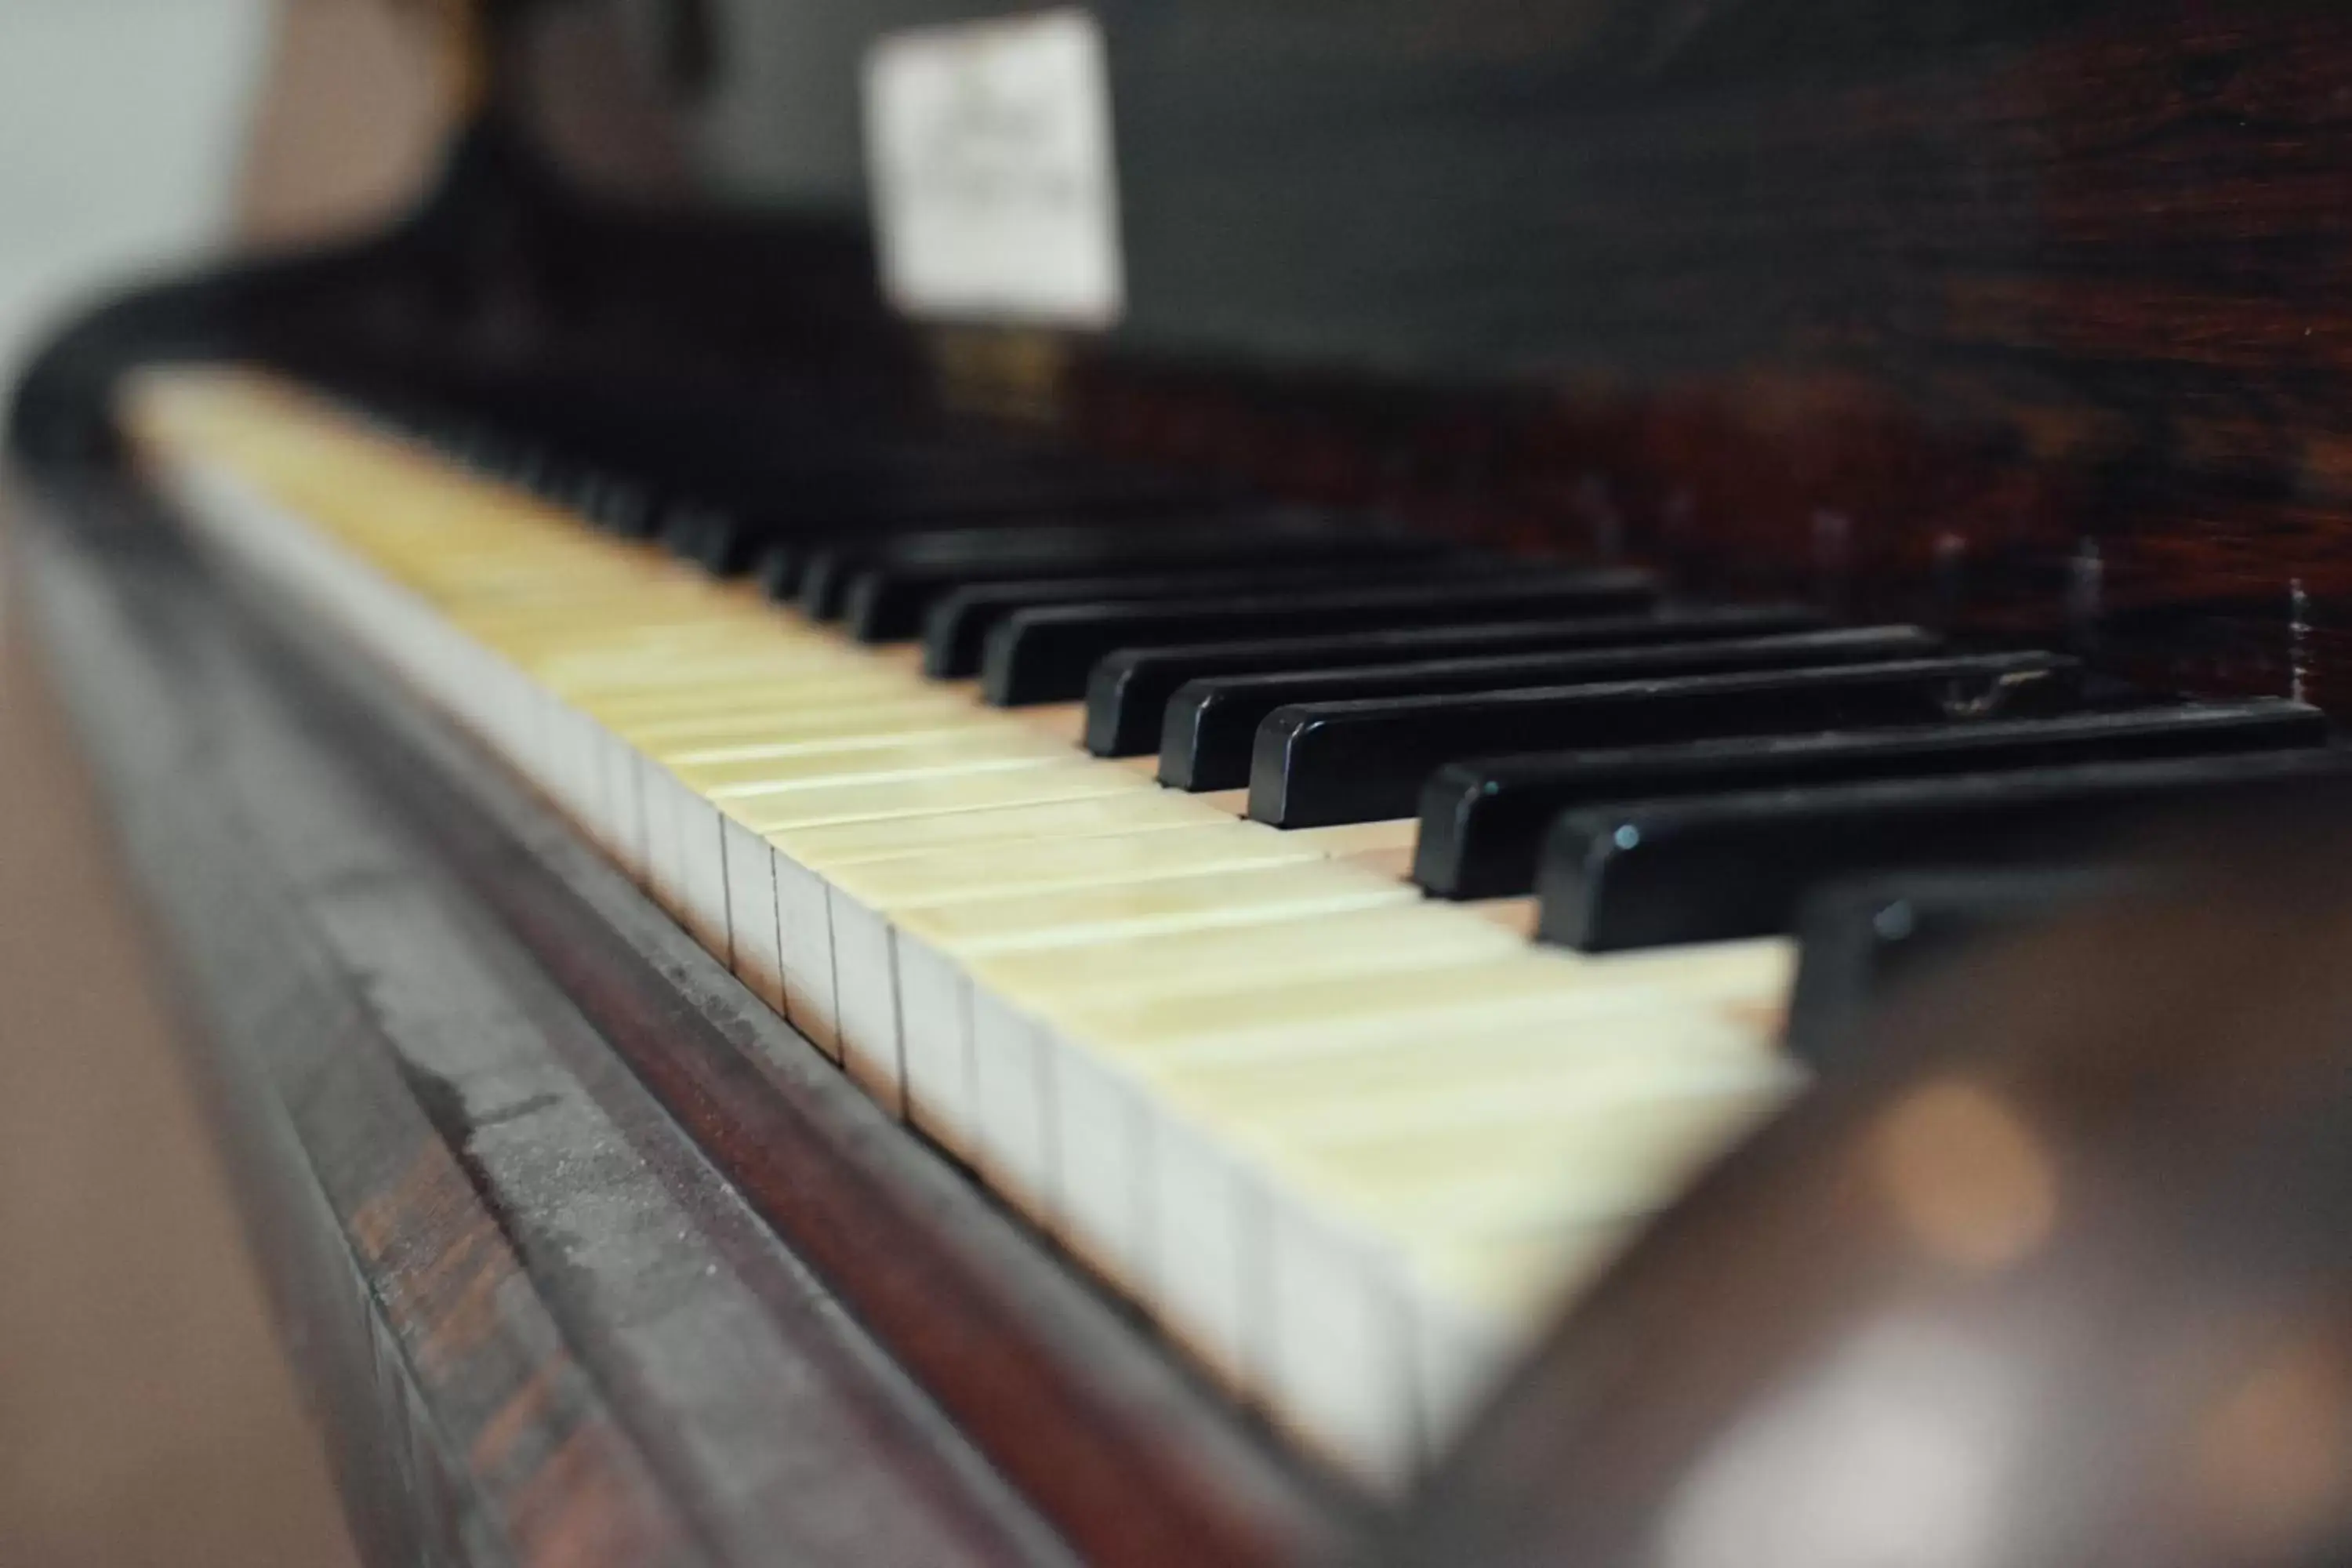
(145, 1417)
(121, 126)
(347, 122)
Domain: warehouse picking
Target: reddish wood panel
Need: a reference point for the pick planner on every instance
(2045, 337)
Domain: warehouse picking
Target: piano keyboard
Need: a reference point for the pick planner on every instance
(1348, 1143)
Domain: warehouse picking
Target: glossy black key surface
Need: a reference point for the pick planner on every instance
(836, 561)
(1046, 653)
(778, 570)
(836, 565)
(618, 506)
(1318, 764)
(1209, 737)
(828, 526)
(729, 547)
(960, 628)
(1481, 822)
(1652, 875)
(685, 529)
(1127, 691)
(837, 558)
(887, 601)
(919, 490)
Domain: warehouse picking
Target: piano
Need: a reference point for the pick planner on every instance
(955, 787)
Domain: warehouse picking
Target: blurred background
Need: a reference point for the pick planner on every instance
(145, 1413)
(122, 126)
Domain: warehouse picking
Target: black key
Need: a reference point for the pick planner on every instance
(1319, 764)
(865, 502)
(686, 530)
(488, 453)
(995, 489)
(1482, 823)
(618, 506)
(956, 631)
(837, 554)
(824, 571)
(728, 546)
(911, 491)
(1211, 730)
(1044, 654)
(555, 479)
(834, 561)
(1127, 692)
(633, 512)
(1100, 546)
(528, 466)
(886, 603)
(778, 570)
(680, 530)
(1737, 865)
(1859, 941)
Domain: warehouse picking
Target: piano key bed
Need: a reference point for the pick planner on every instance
(1257, 1025)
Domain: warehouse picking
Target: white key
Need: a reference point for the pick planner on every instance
(702, 888)
(865, 983)
(755, 942)
(936, 1011)
(804, 939)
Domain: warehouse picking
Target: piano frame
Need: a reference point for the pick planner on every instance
(2075, 373)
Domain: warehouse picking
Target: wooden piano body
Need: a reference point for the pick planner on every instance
(2019, 321)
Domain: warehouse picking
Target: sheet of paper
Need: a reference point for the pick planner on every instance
(995, 196)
